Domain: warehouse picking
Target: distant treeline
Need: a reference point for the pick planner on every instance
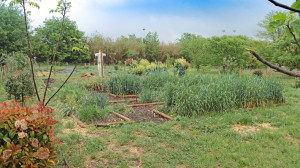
(225, 51)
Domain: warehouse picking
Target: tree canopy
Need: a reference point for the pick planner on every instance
(46, 36)
(12, 29)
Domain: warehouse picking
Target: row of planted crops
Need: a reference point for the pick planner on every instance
(187, 96)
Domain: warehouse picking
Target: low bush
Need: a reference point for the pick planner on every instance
(125, 84)
(196, 95)
(27, 136)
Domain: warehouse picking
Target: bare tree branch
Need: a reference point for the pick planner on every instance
(66, 79)
(29, 51)
(284, 6)
(56, 48)
(297, 42)
(290, 73)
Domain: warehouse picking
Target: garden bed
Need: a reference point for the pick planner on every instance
(140, 114)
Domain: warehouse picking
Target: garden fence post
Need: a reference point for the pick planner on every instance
(102, 72)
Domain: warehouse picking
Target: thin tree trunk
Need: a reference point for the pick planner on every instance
(53, 60)
(29, 52)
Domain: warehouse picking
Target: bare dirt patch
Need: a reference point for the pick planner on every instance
(290, 138)
(77, 128)
(43, 74)
(267, 126)
(245, 129)
(145, 114)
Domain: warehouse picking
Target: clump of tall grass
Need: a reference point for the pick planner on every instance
(96, 84)
(125, 84)
(96, 99)
(156, 81)
(196, 95)
(91, 113)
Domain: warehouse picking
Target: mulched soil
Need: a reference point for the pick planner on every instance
(145, 114)
(109, 119)
(140, 114)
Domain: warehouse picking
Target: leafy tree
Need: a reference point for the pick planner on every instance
(152, 49)
(46, 38)
(228, 50)
(265, 33)
(291, 25)
(185, 46)
(12, 32)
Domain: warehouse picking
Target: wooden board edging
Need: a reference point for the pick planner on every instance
(120, 101)
(162, 114)
(120, 96)
(146, 104)
(123, 117)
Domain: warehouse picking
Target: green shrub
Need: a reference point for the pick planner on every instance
(179, 69)
(124, 84)
(195, 95)
(27, 136)
(92, 113)
(18, 81)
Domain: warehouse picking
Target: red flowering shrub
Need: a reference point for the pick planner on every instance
(26, 136)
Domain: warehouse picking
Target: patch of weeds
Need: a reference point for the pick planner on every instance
(122, 108)
(94, 155)
(125, 151)
(78, 160)
(111, 155)
(93, 145)
(142, 142)
(70, 125)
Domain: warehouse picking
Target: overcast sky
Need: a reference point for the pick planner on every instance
(169, 18)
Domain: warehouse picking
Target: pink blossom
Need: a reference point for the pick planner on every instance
(22, 135)
(41, 154)
(6, 154)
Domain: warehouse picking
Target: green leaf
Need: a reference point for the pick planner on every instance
(6, 139)
(280, 16)
(275, 24)
(295, 5)
(12, 133)
(45, 137)
(295, 25)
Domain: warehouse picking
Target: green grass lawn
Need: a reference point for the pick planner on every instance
(259, 137)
